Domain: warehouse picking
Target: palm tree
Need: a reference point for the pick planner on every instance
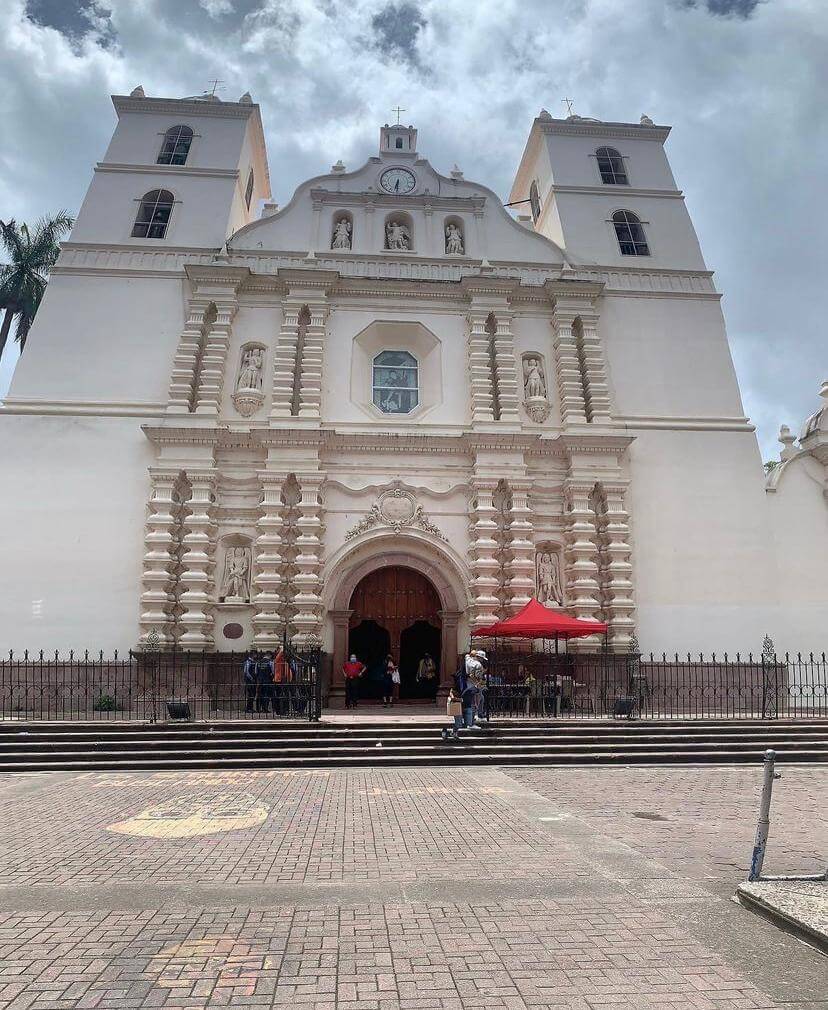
(23, 279)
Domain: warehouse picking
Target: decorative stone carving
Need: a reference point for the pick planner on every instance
(535, 400)
(454, 240)
(397, 236)
(248, 396)
(235, 585)
(341, 234)
(398, 510)
(548, 576)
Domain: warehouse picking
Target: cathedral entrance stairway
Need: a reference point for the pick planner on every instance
(345, 742)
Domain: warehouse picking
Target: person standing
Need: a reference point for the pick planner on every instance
(388, 680)
(250, 680)
(352, 671)
(475, 664)
(264, 682)
(280, 688)
(454, 710)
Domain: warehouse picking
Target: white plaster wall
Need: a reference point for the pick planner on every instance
(574, 163)
(705, 574)
(798, 512)
(109, 209)
(138, 136)
(102, 338)
(586, 219)
(72, 521)
(669, 357)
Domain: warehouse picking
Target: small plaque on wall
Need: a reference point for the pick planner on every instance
(232, 631)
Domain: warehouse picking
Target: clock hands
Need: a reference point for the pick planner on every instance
(397, 186)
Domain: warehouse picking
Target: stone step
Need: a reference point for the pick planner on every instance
(493, 738)
(443, 756)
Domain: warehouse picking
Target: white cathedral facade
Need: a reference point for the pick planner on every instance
(392, 405)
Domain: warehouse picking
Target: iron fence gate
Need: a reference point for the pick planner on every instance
(155, 686)
(541, 684)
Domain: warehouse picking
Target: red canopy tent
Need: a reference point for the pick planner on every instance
(537, 621)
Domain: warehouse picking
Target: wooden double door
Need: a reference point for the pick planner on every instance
(396, 610)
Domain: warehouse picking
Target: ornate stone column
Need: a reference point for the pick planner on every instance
(568, 368)
(505, 367)
(181, 393)
(594, 369)
(313, 352)
(214, 360)
(197, 564)
(480, 368)
(284, 358)
(308, 602)
(619, 588)
(581, 551)
(483, 554)
(156, 598)
(521, 566)
(268, 620)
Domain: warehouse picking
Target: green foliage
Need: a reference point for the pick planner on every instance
(30, 255)
(104, 703)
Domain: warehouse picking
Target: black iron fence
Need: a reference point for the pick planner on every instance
(157, 686)
(541, 684)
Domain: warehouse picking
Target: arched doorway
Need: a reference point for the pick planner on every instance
(396, 609)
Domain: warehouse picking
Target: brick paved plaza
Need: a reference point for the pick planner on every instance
(419, 889)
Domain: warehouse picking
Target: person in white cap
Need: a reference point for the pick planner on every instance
(476, 662)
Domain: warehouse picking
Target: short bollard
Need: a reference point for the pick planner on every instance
(763, 826)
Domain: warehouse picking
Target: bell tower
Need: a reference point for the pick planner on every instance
(398, 140)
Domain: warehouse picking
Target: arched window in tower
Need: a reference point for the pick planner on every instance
(153, 214)
(396, 382)
(176, 146)
(630, 234)
(534, 201)
(248, 192)
(611, 167)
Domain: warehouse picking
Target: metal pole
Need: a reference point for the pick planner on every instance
(763, 826)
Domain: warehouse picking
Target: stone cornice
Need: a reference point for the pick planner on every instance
(382, 275)
(354, 198)
(591, 128)
(184, 107)
(216, 273)
(592, 443)
(212, 173)
(667, 194)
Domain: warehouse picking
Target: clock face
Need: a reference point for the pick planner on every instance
(397, 180)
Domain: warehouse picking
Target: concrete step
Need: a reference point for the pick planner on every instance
(447, 756)
(427, 738)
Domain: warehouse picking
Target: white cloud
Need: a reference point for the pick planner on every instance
(744, 95)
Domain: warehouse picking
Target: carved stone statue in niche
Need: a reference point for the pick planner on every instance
(250, 372)
(342, 234)
(397, 236)
(248, 395)
(534, 387)
(548, 564)
(454, 239)
(235, 586)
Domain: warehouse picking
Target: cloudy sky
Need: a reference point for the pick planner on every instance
(742, 82)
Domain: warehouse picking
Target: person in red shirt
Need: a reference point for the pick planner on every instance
(352, 671)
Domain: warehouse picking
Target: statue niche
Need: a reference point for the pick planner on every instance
(397, 236)
(548, 575)
(454, 239)
(235, 583)
(249, 394)
(536, 401)
(342, 233)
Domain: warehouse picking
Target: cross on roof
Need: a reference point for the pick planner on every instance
(398, 110)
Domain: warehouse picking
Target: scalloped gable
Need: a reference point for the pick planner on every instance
(305, 223)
